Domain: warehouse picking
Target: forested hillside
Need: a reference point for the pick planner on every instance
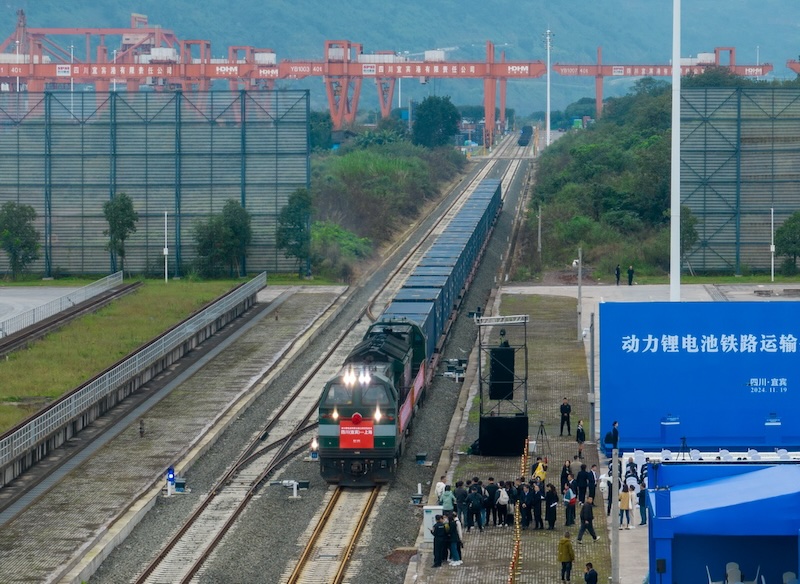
(606, 189)
(630, 31)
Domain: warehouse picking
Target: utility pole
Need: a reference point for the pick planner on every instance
(539, 235)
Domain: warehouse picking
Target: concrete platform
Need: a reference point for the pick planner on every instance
(97, 502)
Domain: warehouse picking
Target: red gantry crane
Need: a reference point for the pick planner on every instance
(691, 66)
(31, 60)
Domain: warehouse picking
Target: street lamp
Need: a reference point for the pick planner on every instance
(548, 45)
(115, 69)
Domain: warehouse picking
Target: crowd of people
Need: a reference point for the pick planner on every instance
(475, 504)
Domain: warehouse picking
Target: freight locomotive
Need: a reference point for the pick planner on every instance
(525, 136)
(367, 409)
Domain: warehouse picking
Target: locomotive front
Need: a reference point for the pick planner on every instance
(358, 426)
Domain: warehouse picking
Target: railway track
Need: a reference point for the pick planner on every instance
(183, 556)
(38, 330)
(334, 537)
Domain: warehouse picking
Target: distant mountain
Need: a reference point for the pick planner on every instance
(630, 32)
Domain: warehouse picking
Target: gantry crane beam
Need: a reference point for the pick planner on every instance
(793, 65)
(599, 71)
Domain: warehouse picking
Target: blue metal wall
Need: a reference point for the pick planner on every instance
(66, 153)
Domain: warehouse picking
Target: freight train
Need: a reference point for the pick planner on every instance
(525, 136)
(367, 409)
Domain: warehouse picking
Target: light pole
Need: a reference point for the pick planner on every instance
(17, 42)
(772, 243)
(675, 170)
(548, 38)
(115, 69)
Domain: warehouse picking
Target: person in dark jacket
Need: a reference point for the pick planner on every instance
(587, 520)
(439, 541)
(642, 495)
(593, 478)
(526, 505)
(491, 500)
(550, 505)
(590, 576)
(566, 470)
(566, 409)
(630, 276)
(582, 480)
(474, 507)
(461, 501)
(580, 438)
(538, 499)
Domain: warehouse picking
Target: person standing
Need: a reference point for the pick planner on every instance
(566, 409)
(566, 470)
(440, 488)
(590, 576)
(570, 502)
(550, 506)
(538, 498)
(615, 435)
(461, 501)
(566, 555)
(625, 506)
(642, 495)
(617, 273)
(587, 520)
(593, 478)
(580, 438)
(630, 276)
(456, 537)
(582, 481)
(491, 502)
(525, 505)
(502, 503)
(474, 507)
(439, 541)
(447, 500)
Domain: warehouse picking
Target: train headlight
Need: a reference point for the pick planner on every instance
(314, 444)
(378, 414)
(335, 414)
(363, 377)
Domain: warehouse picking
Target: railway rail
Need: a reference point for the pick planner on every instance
(330, 546)
(183, 556)
(38, 330)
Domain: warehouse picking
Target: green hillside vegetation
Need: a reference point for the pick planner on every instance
(607, 188)
(369, 190)
(65, 359)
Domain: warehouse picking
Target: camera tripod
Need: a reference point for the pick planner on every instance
(683, 453)
(541, 438)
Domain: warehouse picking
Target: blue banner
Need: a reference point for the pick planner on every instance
(719, 374)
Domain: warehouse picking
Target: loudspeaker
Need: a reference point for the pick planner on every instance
(501, 373)
(503, 436)
(661, 566)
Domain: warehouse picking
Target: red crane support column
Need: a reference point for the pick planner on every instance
(598, 85)
(503, 83)
(489, 98)
(385, 94)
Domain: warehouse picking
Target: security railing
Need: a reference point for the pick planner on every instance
(31, 317)
(67, 408)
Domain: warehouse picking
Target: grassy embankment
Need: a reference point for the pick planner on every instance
(34, 377)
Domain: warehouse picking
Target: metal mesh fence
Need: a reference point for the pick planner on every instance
(740, 158)
(187, 154)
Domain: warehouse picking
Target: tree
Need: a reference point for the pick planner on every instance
(436, 122)
(787, 238)
(222, 240)
(19, 238)
(121, 220)
(237, 221)
(293, 232)
(320, 127)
